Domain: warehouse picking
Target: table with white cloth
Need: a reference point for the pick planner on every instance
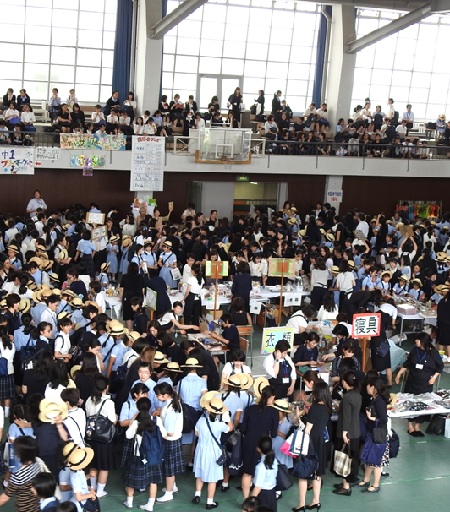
(435, 404)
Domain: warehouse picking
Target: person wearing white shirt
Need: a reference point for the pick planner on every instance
(54, 104)
(49, 314)
(113, 118)
(62, 340)
(408, 116)
(199, 122)
(124, 119)
(28, 119)
(98, 116)
(281, 370)
(402, 130)
(150, 127)
(12, 115)
(76, 419)
(390, 109)
(71, 100)
(7, 350)
(362, 225)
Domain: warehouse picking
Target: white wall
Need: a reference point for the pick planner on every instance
(218, 196)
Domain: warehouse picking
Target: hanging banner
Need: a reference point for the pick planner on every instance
(147, 163)
(47, 153)
(17, 160)
(87, 161)
(103, 142)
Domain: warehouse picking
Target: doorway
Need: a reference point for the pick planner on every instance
(221, 86)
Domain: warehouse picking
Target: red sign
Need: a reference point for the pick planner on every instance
(366, 325)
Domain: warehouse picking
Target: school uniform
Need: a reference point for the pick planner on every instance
(7, 382)
(62, 343)
(86, 249)
(123, 266)
(75, 423)
(266, 480)
(127, 412)
(283, 427)
(207, 450)
(137, 474)
(107, 344)
(111, 258)
(79, 485)
(103, 279)
(50, 317)
(168, 259)
(190, 390)
(174, 456)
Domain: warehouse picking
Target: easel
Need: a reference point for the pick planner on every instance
(280, 267)
(216, 270)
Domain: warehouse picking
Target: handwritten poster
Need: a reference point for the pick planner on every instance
(103, 142)
(47, 153)
(272, 335)
(17, 160)
(147, 163)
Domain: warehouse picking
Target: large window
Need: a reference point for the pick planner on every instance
(270, 44)
(409, 66)
(58, 43)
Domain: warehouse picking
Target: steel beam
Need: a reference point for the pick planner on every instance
(186, 8)
(391, 28)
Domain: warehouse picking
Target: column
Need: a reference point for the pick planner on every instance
(148, 57)
(341, 65)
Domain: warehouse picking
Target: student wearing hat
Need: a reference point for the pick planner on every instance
(167, 262)
(209, 430)
(14, 261)
(284, 427)
(118, 351)
(102, 276)
(190, 389)
(401, 288)
(64, 305)
(416, 291)
(112, 249)
(77, 460)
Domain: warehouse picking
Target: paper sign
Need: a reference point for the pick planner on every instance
(281, 267)
(216, 268)
(147, 163)
(272, 335)
(95, 218)
(335, 196)
(170, 206)
(17, 160)
(255, 307)
(98, 232)
(47, 153)
(366, 325)
(406, 231)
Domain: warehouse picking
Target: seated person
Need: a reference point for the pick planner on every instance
(12, 115)
(98, 117)
(307, 355)
(124, 119)
(270, 128)
(230, 333)
(4, 139)
(54, 105)
(64, 119)
(22, 100)
(112, 120)
(27, 119)
(78, 116)
(217, 119)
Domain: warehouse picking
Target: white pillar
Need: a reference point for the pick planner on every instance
(148, 57)
(341, 65)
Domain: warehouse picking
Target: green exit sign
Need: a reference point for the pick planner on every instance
(242, 178)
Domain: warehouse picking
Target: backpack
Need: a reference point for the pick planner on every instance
(3, 366)
(152, 447)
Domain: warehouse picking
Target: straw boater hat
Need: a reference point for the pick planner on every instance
(36, 260)
(416, 281)
(77, 302)
(3, 304)
(56, 291)
(73, 371)
(32, 286)
(51, 409)
(24, 306)
(191, 363)
(246, 380)
(47, 265)
(68, 292)
(330, 237)
(292, 221)
(41, 248)
(216, 406)
(302, 232)
(78, 458)
(114, 239)
(126, 242)
(441, 256)
(351, 263)
(174, 367)
(442, 288)
(234, 380)
(116, 329)
(63, 254)
(134, 335)
(105, 266)
(259, 385)
(281, 405)
(442, 117)
(46, 292)
(37, 297)
(168, 243)
(53, 277)
(386, 273)
(63, 314)
(207, 397)
(335, 269)
(13, 248)
(160, 358)
(404, 277)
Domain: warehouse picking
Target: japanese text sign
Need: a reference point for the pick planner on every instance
(366, 325)
(272, 335)
(281, 267)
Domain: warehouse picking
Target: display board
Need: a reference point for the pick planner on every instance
(272, 335)
(366, 324)
(147, 163)
(17, 160)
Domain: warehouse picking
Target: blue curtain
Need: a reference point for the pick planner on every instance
(122, 48)
(320, 58)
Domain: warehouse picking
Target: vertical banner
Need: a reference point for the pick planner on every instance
(17, 160)
(147, 163)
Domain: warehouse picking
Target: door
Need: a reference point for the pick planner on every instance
(221, 86)
(195, 195)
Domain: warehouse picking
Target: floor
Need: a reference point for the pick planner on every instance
(419, 479)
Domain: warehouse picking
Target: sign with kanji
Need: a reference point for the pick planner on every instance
(216, 269)
(366, 325)
(281, 267)
(272, 335)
